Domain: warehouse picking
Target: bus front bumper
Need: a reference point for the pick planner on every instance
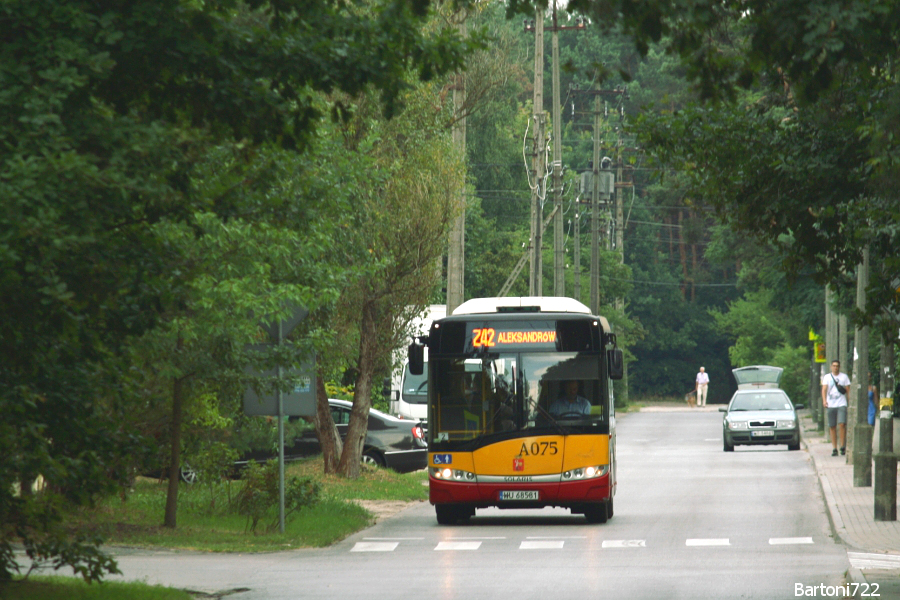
(483, 495)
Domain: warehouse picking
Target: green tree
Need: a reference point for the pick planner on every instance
(108, 108)
(761, 335)
(798, 147)
(403, 202)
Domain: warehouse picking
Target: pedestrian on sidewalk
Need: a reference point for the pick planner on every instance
(834, 398)
(701, 386)
(873, 394)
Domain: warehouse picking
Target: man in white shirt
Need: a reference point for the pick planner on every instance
(701, 386)
(835, 402)
(571, 403)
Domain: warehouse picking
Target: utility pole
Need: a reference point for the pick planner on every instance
(620, 214)
(456, 255)
(831, 349)
(846, 367)
(576, 259)
(620, 248)
(862, 431)
(885, 471)
(559, 251)
(595, 213)
(535, 286)
(601, 190)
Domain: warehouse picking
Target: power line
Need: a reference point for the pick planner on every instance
(666, 283)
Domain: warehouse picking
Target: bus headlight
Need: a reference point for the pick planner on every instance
(448, 474)
(585, 473)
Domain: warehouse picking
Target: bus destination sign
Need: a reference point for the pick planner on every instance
(489, 337)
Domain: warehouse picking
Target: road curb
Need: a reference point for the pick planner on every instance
(835, 521)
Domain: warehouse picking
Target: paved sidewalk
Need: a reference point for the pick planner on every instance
(876, 558)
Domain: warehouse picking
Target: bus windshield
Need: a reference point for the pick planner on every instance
(506, 395)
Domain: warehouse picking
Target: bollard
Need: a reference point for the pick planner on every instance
(885, 470)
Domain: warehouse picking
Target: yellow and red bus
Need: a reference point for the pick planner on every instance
(520, 407)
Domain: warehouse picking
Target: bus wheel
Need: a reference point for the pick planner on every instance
(446, 514)
(597, 512)
(609, 508)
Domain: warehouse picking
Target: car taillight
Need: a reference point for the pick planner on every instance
(417, 432)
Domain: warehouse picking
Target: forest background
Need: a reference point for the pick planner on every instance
(174, 171)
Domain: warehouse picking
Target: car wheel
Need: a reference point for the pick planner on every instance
(446, 514)
(727, 447)
(794, 446)
(597, 512)
(373, 458)
(188, 475)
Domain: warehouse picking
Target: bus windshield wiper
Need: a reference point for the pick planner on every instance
(559, 428)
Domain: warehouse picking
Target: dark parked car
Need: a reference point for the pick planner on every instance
(760, 413)
(397, 444)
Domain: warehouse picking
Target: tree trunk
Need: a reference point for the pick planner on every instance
(326, 431)
(694, 272)
(682, 255)
(362, 396)
(175, 454)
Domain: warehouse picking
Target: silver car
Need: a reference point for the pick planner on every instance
(760, 413)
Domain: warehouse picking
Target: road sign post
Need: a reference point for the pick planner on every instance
(302, 399)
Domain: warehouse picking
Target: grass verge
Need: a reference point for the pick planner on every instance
(207, 522)
(68, 588)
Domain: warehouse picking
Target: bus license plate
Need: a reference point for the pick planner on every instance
(519, 495)
(763, 433)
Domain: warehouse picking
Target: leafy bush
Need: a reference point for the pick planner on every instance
(259, 494)
(795, 379)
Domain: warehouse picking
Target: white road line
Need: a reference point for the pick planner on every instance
(541, 545)
(788, 541)
(458, 546)
(501, 537)
(624, 544)
(374, 546)
(556, 537)
(862, 560)
(707, 542)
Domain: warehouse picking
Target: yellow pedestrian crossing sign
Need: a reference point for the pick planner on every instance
(819, 351)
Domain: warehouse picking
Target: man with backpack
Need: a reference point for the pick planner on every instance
(834, 398)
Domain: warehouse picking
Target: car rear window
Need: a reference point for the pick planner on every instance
(761, 401)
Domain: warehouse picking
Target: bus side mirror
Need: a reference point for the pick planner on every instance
(616, 363)
(416, 358)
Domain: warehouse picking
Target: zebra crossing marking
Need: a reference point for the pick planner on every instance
(541, 545)
(624, 544)
(458, 546)
(375, 546)
(790, 540)
(707, 542)
(859, 560)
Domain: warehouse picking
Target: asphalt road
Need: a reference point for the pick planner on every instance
(691, 521)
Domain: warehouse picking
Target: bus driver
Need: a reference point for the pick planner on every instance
(571, 402)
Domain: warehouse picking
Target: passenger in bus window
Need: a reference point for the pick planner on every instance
(571, 402)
